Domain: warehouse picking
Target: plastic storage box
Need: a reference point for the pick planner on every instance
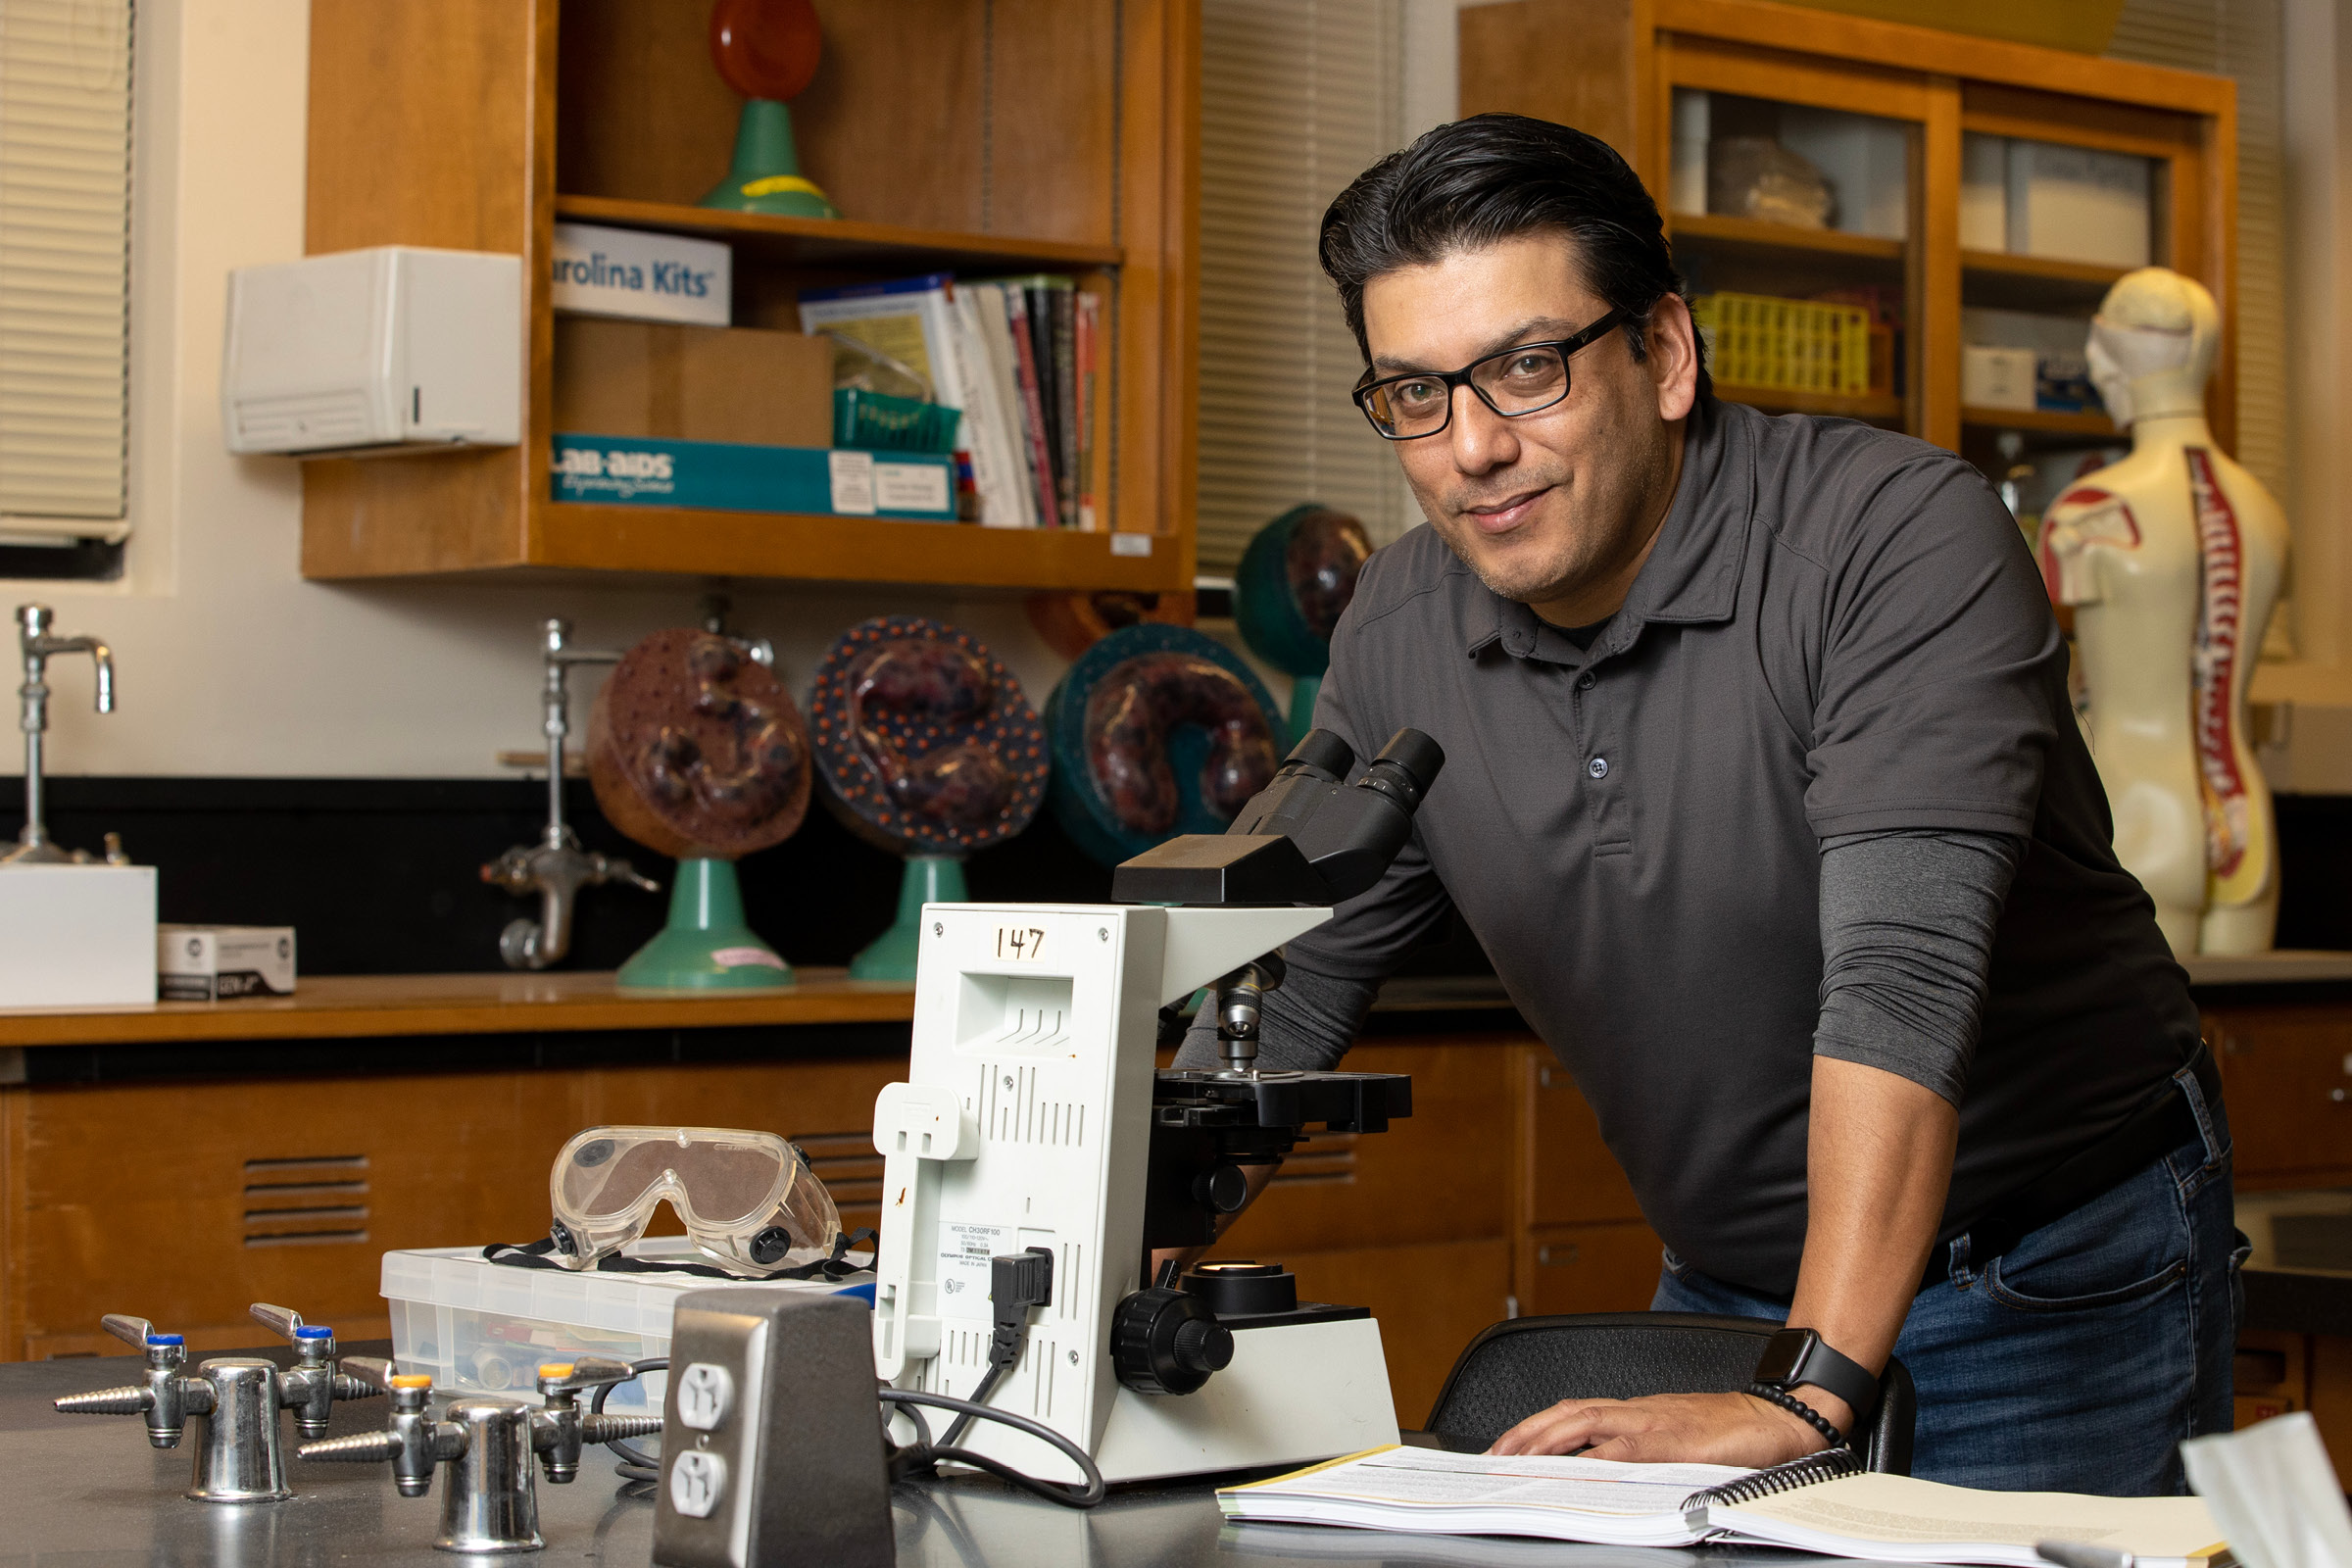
(483, 1328)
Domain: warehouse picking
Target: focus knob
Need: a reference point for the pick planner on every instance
(1166, 1342)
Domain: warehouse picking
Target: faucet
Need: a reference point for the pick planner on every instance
(555, 867)
(33, 844)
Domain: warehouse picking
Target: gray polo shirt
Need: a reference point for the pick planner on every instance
(1839, 631)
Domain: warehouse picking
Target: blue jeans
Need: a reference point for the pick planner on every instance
(2078, 1360)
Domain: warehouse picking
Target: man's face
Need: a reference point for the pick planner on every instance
(1559, 508)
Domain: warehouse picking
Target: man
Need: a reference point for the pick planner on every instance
(1764, 797)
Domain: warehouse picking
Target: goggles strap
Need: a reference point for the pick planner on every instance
(534, 1254)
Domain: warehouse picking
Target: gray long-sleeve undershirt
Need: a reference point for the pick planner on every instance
(1906, 940)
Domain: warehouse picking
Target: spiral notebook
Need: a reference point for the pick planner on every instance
(1824, 1504)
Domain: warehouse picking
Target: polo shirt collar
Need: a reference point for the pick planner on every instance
(1693, 573)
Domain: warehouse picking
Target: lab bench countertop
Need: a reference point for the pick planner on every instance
(380, 1006)
(92, 1488)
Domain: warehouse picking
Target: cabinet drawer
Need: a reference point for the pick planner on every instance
(1574, 1177)
(2286, 1074)
(1589, 1268)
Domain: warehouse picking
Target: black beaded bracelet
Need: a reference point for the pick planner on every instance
(1798, 1407)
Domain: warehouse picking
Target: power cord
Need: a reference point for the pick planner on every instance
(1017, 1282)
(634, 1463)
(918, 1457)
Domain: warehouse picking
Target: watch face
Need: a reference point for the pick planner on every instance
(1782, 1355)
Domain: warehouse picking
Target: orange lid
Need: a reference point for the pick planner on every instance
(412, 1380)
(556, 1369)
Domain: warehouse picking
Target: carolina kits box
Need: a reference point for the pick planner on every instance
(701, 383)
(723, 476)
(77, 936)
(211, 962)
(650, 277)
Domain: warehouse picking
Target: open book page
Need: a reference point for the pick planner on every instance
(1530, 1494)
(1902, 1519)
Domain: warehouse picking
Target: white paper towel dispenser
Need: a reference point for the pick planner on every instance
(394, 349)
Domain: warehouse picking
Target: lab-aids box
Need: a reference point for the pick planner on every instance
(479, 1327)
(214, 962)
(646, 276)
(723, 475)
(77, 936)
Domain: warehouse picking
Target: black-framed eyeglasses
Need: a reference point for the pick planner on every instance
(1522, 380)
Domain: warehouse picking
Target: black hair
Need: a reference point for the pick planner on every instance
(1491, 177)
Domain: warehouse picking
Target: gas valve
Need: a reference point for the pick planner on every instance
(490, 1501)
(239, 1456)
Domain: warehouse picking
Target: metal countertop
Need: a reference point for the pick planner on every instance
(89, 1492)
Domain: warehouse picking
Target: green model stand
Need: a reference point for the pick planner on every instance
(767, 51)
(706, 946)
(928, 879)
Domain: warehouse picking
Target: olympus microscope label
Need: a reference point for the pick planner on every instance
(965, 1249)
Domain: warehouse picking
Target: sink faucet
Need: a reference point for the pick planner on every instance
(555, 867)
(33, 844)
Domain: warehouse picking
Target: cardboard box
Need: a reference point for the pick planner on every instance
(641, 470)
(644, 276)
(207, 962)
(1997, 378)
(693, 383)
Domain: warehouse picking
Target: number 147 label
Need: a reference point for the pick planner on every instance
(1019, 942)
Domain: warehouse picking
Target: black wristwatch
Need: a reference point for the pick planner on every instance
(1794, 1356)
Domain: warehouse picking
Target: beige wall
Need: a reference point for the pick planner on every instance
(230, 663)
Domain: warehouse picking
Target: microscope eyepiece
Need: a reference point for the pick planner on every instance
(1322, 753)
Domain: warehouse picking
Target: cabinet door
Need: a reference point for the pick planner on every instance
(1589, 1268)
(1573, 1176)
(2286, 1075)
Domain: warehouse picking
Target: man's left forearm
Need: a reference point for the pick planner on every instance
(1879, 1162)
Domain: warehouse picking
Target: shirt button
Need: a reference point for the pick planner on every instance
(1587, 681)
(1598, 768)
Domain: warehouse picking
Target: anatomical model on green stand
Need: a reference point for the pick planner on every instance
(1298, 575)
(928, 750)
(698, 752)
(767, 51)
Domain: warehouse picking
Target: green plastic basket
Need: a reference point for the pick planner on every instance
(875, 422)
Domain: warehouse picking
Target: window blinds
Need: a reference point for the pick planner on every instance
(1297, 97)
(2242, 39)
(64, 266)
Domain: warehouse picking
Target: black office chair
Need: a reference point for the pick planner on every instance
(1521, 1366)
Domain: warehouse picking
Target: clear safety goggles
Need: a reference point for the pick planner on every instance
(748, 1198)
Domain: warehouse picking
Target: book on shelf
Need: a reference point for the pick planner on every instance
(1018, 357)
(1822, 1503)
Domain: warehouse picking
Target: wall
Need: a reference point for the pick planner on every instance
(230, 663)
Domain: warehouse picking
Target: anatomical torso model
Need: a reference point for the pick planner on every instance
(2172, 560)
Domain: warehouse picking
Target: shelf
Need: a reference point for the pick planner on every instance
(1778, 400)
(848, 549)
(2049, 420)
(1746, 233)
(2002, 281)
(352, 1006)
(839, 240)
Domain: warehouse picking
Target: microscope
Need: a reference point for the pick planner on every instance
(1035, 1159)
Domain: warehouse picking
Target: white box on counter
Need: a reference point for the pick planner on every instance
(649, 277)
(77, 936)
(207, 962)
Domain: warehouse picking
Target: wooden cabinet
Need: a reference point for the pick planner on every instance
(2286, 1076)
(1617, 67)
(1021, 136)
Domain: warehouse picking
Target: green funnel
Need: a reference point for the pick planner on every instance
(765, 176)
(928, 879)
(705, 947)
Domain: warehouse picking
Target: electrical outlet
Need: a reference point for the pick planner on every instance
(771, 1438)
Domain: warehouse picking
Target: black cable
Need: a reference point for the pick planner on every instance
(916, 1456)
(979, 1397)
(635, 1464)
